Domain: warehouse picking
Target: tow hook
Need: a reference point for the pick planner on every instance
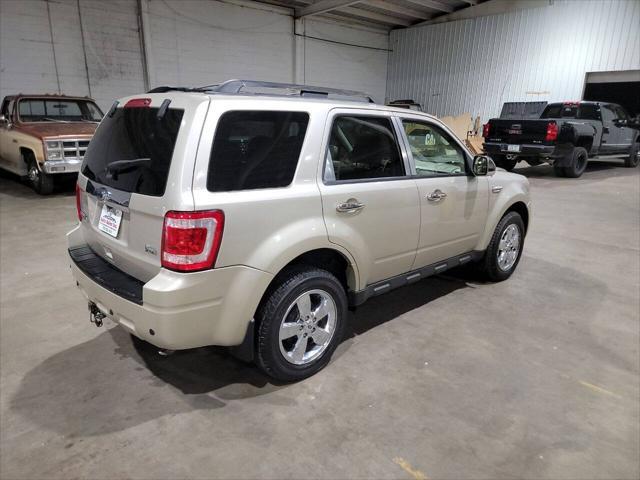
(95, 315)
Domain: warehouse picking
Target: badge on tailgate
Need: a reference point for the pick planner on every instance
(110, 219)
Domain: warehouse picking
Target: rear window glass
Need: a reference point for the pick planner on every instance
(256, 149)
(131, 151)
(559, 110)
(589, 111)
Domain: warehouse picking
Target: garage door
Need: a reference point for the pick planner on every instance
(622, 87)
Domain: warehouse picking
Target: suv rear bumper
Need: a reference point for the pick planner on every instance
(181, 310)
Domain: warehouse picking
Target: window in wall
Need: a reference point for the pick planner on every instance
(363, 147)
(434, 152)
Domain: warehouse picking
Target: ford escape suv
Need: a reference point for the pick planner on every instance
(253, 215)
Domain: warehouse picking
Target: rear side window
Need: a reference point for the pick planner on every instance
(589, 111)
(131, 151)
(256, 149)
(362, 148)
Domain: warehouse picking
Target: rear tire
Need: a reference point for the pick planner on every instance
(559, 171)
(577, 162)
(300, 324)
(505, 248)
(502, 162)
(633, 160)
(41, 182)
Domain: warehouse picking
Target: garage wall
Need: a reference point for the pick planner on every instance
(477, 64)
(43, 46)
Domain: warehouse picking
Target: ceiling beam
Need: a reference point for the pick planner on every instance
(433, 4)
(377, 17)
(322, 6)
(398, 9)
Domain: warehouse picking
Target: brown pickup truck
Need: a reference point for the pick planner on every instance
(43, 137)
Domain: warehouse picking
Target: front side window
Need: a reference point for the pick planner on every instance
(621, 113)
(434, 152)
(608, 114)
(256, 149)
(56, 110)
(362, 148)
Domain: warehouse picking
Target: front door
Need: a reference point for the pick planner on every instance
(453, 203)
(370, 202)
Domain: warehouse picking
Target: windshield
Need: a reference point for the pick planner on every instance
(58, 110)
(132, 149)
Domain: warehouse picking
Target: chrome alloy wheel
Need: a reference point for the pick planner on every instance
(509, 248)
(307, 327)
(33, 173)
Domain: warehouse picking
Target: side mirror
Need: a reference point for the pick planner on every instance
(4, 121)
(483, 165)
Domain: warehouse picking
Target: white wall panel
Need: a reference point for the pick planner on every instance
(534, 54)
(188, 42)
(345, 66)
(199, 43)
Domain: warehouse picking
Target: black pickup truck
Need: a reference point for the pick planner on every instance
(566, 136)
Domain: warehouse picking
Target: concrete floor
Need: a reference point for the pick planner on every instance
(536, 377)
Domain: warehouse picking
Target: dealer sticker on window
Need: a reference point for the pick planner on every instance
(110, 219)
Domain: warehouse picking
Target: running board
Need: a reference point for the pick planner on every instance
(384, 286)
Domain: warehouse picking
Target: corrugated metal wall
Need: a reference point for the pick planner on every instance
(529, 55)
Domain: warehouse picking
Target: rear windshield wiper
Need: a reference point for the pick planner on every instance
(120, 166)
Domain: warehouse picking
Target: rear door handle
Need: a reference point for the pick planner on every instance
(350, 206)
(436, 195)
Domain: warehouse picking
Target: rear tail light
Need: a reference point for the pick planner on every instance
(486, 130)
(78, 204)
(552, 131)
(191, 240)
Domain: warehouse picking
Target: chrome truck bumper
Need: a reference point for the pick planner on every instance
(62, 166)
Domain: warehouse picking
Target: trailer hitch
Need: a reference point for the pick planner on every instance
(95, 315)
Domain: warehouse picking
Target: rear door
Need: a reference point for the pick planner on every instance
(138, 166)
(369, 199)
(610, 132)
(453, 203)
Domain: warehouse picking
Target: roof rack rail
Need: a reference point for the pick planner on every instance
(237, 86)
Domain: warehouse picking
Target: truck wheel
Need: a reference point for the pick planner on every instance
(39, 181)
(502, 162)
(577, 160)
(505, 248)
(300, 324)
(634, 156)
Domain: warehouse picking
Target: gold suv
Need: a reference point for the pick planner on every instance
(253, 214)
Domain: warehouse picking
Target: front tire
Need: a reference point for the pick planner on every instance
(300, 324)
(505, 248)
(633, 160)
(39, 181)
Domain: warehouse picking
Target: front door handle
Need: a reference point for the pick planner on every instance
(436, 195)
(350, 206)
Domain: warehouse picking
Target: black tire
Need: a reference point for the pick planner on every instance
(41, 182)
(577, 162)
(633, 160)
(503, 162)
(271, 314)
(489, 266)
